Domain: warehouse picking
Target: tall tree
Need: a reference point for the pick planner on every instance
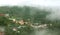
(26, 13)
(40, 16)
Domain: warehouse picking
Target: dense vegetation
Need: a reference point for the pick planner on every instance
(34, 14)
(24, 12)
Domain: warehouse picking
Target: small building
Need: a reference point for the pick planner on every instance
(2, 14)
(5, 15)
(2, 30)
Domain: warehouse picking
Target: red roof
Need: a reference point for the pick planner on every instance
(2, 14)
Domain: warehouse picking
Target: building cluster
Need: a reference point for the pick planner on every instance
(21, 21)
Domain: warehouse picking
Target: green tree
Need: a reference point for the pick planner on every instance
(26, 14)
(3, 21)
(40, 16)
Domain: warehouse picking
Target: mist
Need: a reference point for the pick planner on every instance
(54, 13)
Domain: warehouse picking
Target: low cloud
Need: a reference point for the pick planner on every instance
(55, 14)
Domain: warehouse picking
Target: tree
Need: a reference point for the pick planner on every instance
(40, 16)
(26, 14)
(3, 21)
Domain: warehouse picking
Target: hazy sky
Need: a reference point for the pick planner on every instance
(30, 2)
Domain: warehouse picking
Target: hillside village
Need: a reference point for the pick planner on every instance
(21, 22)
(25, 20)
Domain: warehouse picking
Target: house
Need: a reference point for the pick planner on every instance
(2, 30)
(2, 14)
(5, 15)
